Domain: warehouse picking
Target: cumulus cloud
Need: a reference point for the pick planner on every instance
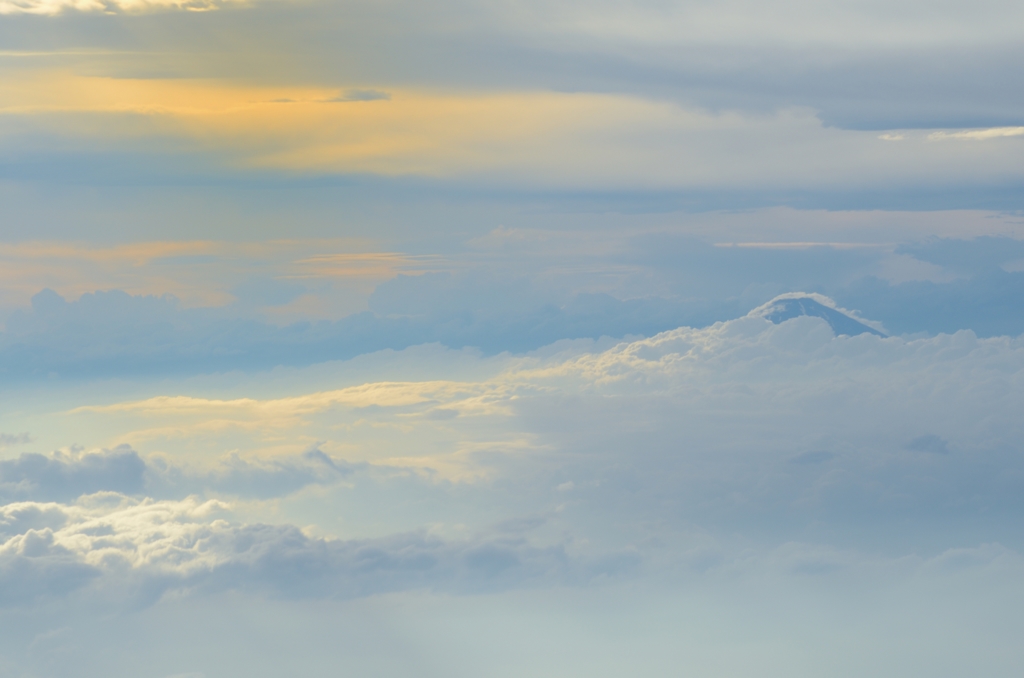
(748, 458)
(749, 424)
(65, 475)
(117, 551)
(141, 549)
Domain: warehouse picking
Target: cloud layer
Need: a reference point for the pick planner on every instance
(714, 459)
(743, 423)
(507, 291)
(126, 552)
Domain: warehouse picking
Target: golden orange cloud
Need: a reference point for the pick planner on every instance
(199, 273)
(526, 138)
(396, 132)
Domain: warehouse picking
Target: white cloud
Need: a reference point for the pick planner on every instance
(139, 549)
(978, 134)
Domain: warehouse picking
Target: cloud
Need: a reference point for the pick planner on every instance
(979, 134)
(966, 257)
(55, 7)
(115, 333)
(737, 424)
(536, 139)
(235, 476)
(64, 476)
(385, 394)
(142, 549)
(360, 95)
(248, 276)
(10, 440)
(747, 458)
(514, 290)
(987, 302)
(32, 566)
(878, 71)
(785, 497)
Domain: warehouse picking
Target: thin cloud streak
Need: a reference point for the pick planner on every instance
(56, 7)
(978, 135)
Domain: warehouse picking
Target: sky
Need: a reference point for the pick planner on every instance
(509, 339)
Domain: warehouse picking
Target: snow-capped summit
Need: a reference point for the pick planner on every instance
(788, 306)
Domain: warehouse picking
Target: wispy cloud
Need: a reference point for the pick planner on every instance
(54, 7)
(978, 134)
(10, 440)
(802, 245)
(383, 394)
(538, 138)
(198, 273)
(360, 95)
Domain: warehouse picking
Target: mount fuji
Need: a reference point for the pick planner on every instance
(788, 306)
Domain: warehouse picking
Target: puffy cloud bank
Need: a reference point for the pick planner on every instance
(131, 551)
(775, 431)
(745, 464)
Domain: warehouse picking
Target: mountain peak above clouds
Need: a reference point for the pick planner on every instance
(788, 306)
